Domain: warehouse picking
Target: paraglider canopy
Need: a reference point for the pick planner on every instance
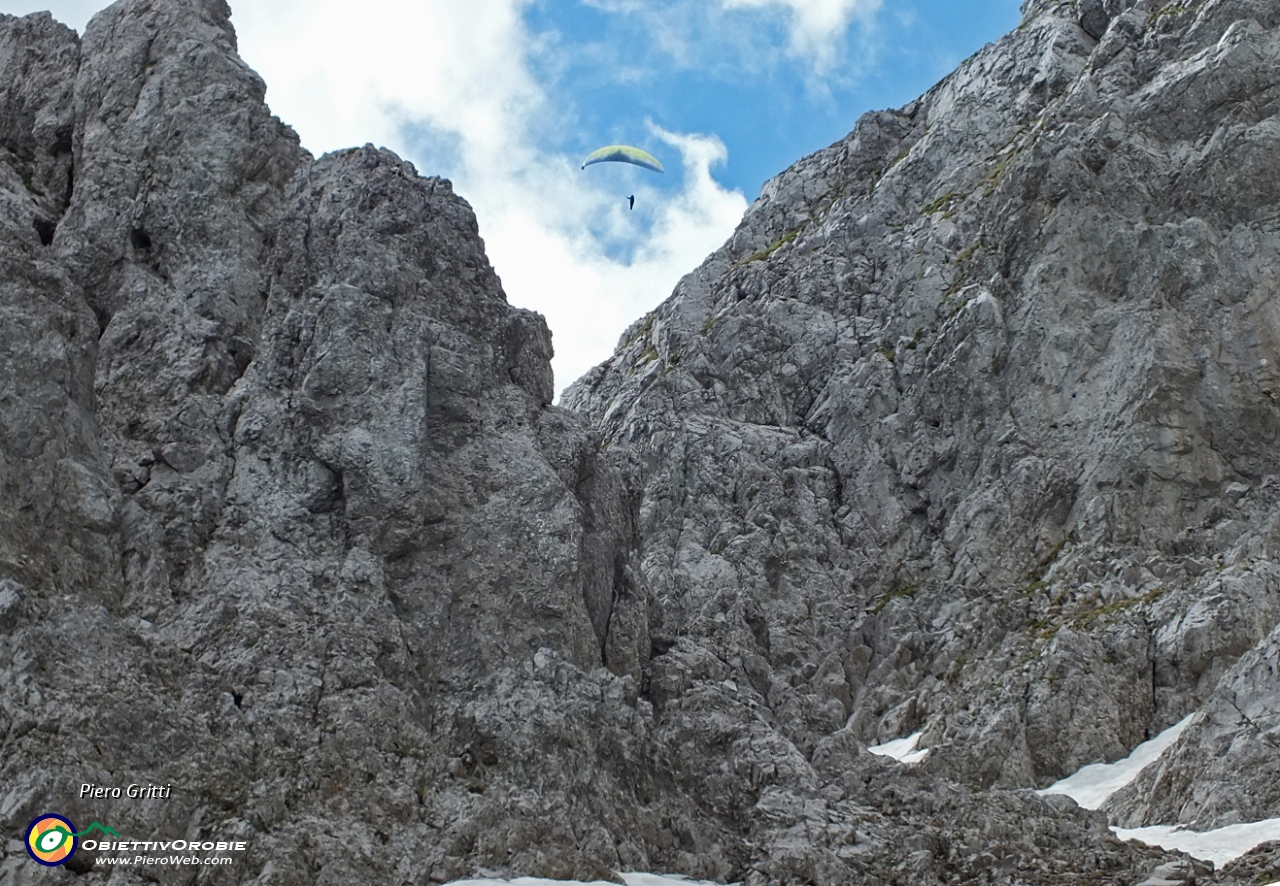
(623, 154)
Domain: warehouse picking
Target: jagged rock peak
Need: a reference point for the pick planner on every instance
(271, 420)
(969, 431)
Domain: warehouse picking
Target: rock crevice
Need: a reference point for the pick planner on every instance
(968, 431)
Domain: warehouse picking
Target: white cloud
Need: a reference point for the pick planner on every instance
(73, 13)
(588, 297)
(416, 75)
(562, 239)
(817, 27)
(342, 79)
(737, 36)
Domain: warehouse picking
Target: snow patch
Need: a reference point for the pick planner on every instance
(663, 880)
(1218, 846)
(901, 749)
(1093, 784)
(631, 879)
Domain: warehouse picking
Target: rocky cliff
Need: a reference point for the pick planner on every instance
(971, 426)
(283, 504)
(969, 430)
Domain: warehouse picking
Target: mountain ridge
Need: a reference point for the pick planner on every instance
(968, 431)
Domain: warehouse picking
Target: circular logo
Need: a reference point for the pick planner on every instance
(51, 839)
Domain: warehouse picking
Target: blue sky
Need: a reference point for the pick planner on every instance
(770, 106)
(505, 97)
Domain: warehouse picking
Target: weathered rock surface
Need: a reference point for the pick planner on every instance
(286, 515)
(1225, 769)
(970, 430)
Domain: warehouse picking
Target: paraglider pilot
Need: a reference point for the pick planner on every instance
(624, 154)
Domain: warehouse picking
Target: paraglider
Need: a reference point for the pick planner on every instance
(623, 154)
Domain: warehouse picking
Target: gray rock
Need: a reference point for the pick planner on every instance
(1224, 768)
(58, 505)
(965, 409)
(1184, 870)
(969, 430)
(1093, 17)
(38, 60)
(1259, 865)
(289, 513)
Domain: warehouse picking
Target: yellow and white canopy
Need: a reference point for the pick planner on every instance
(623, 154)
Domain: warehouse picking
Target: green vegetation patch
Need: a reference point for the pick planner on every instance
(1008, 154)
(942, 204)
(1088, 618)
(1176, 8)
(1047, 628)
(967, 253)
(1038, 573)
(947, 308)
(905, 591)
(642, 333)
(763, 254)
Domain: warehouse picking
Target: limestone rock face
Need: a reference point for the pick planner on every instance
(1224, 770)
(969, 430)
(286, 515)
